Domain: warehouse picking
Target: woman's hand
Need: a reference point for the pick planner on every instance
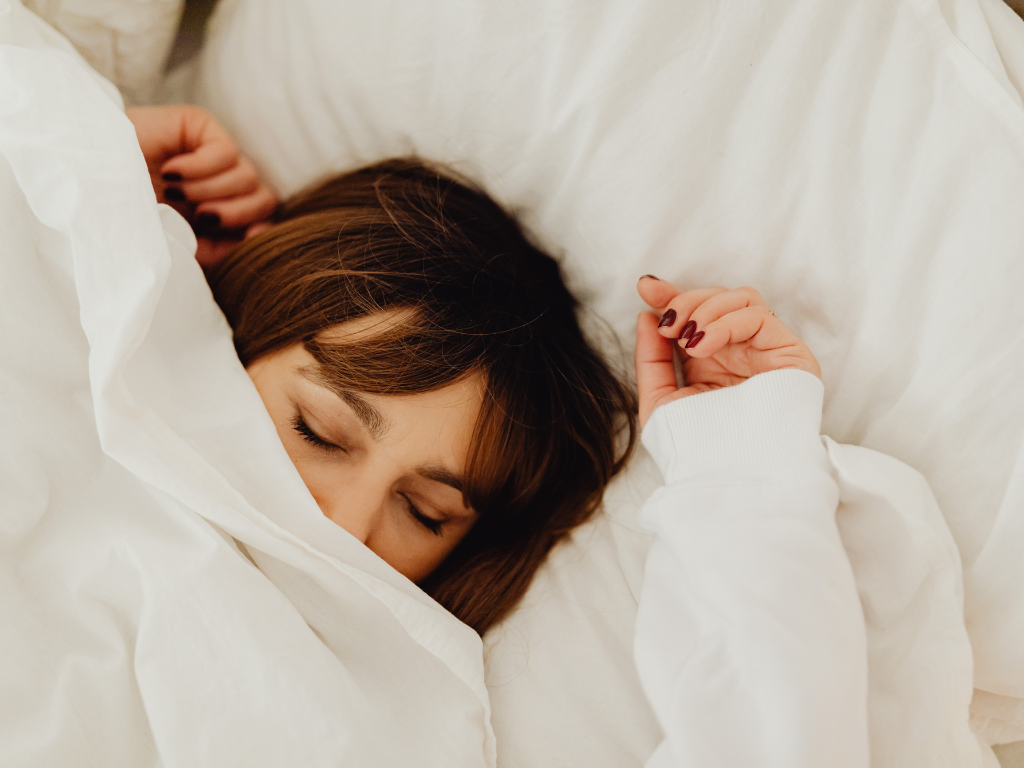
(725, 336)
(195, 167)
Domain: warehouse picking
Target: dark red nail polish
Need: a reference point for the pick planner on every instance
(667, 319)
(653, 277)
(688, 330)
(693, 342)
(206, 222)
(174, 195)
(172, 176)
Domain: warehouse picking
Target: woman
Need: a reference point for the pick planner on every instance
(421, 359)
(427, 375)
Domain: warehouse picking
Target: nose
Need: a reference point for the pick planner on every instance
(358, 508)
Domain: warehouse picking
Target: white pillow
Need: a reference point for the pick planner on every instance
(859, 163)
(126, 41)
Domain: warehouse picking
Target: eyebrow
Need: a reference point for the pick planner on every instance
(377, 425)
(441, 475)
(371, 418)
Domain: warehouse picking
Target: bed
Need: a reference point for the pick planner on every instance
(860, 165)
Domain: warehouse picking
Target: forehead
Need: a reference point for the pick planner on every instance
(460, 398)
(438, 424)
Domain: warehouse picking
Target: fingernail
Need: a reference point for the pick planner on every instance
(174, 194)
(206, 221)
(688, 329)
(172, 176)
(693, 342)
(650, 276)
(667, 319)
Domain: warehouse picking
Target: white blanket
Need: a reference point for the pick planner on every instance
(859, 163)
(141, 480)
(135, 453)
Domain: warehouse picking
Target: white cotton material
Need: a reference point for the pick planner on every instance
(749, 612)
(765, 428)
(858, 163)
(774, 627)
(910, 584)
(142, 479)
(126, 41)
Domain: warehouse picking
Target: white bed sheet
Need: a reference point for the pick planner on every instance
(861, 164)
(116, 564)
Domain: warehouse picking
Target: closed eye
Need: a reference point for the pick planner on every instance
(432, 525)
(299, 425)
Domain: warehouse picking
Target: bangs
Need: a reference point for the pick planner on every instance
(440, 283)
(397, 353)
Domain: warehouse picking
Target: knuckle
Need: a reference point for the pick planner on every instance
(248, 185)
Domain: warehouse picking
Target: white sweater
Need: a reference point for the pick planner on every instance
(750, 639)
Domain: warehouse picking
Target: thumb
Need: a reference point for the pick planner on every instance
(655, 367)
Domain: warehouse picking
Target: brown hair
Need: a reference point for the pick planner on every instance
(477, 297)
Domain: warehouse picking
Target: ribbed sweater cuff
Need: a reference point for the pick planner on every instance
(765, 427)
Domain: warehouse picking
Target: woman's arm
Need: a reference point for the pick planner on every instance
(750, 640)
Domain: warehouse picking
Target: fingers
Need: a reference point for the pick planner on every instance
(207, 160)
(727, 336)
(679, 310)
(230, 198)
(753, 324)
(240, 211)
(209, 252)
(656, 293)
(655, 370)
(254, 229)
(723, 303)
(239, 179)
(688, 313)
(761, 338)
(663, 296)
(205, 148)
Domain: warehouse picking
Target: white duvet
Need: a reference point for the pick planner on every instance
(861, 164)
(141, 480)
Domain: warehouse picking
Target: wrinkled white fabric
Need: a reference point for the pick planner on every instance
(749, 613)
(141, 478)
(859, 163)
(862, 179)
(753, 641)
(126, 41)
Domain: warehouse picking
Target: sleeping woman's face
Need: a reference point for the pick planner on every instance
(387, 469)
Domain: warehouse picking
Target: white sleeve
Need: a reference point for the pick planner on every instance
(750, 639)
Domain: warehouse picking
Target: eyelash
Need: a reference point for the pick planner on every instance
(299, 425)
(432, 525)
